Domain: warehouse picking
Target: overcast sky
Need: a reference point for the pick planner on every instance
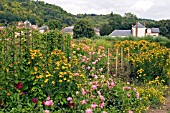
(150, 9)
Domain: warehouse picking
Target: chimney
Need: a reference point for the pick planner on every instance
(144, 24)
(136, 28)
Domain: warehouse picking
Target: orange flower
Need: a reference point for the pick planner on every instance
(35, 68)
(0, 88)
(8, 93)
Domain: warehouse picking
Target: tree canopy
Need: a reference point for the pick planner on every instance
(83, 28)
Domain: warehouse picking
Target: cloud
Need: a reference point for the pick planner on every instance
(151, 9)
(142, 5)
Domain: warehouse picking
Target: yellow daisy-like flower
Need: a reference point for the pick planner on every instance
(65, 79)
(53, 82)
(60, 81)
(46, 80)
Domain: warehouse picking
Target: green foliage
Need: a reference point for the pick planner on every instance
(83, 28)
(37, 12)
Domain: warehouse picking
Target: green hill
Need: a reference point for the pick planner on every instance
(37, 12)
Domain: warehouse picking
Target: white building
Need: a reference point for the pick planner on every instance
(138, 30)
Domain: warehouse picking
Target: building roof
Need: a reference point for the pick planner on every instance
(96, 30)
(155, 30)
(139, 26)
(43, 28)
(121, 33)
(68, 29)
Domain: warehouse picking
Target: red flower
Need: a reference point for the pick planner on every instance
(18, 86)
(34, 100)
(71, 104)
(22, 93)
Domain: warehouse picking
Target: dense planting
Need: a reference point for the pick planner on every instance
(52, 73)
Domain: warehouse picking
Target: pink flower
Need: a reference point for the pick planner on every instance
(98, 92)
(92, 96)
(46, 111)
(102, 105)
(112, 84)
(94, 105)
(134, 89)
(137, 94)
(48, 98)
(83, 60)
(49, 103)
(102, 98)
(69, 99)
(83, 102)
(128, 95)
(93, 62)
(92, 74)
(83, 91)
(89, 110)
(126, 88)
(101, 47)
(130, 111)
(84, 57)
(94, 87)
(78, 49)
(88, 68)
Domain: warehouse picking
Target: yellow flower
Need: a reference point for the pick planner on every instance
(53, 82)
(68, 80)
(46, 80)
(60, 81)
(65, 79)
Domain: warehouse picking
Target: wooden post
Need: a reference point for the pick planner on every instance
(122, 58)
(116, 60)
(128, 53)
(108, 63)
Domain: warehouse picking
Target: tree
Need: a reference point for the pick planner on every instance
(105, 29)
(115, 21)
(54, 24)
(83, 28)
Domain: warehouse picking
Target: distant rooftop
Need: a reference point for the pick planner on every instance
(43, 28)
(139, 26)
(155, 30)
(68, 29)
(121, 33)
